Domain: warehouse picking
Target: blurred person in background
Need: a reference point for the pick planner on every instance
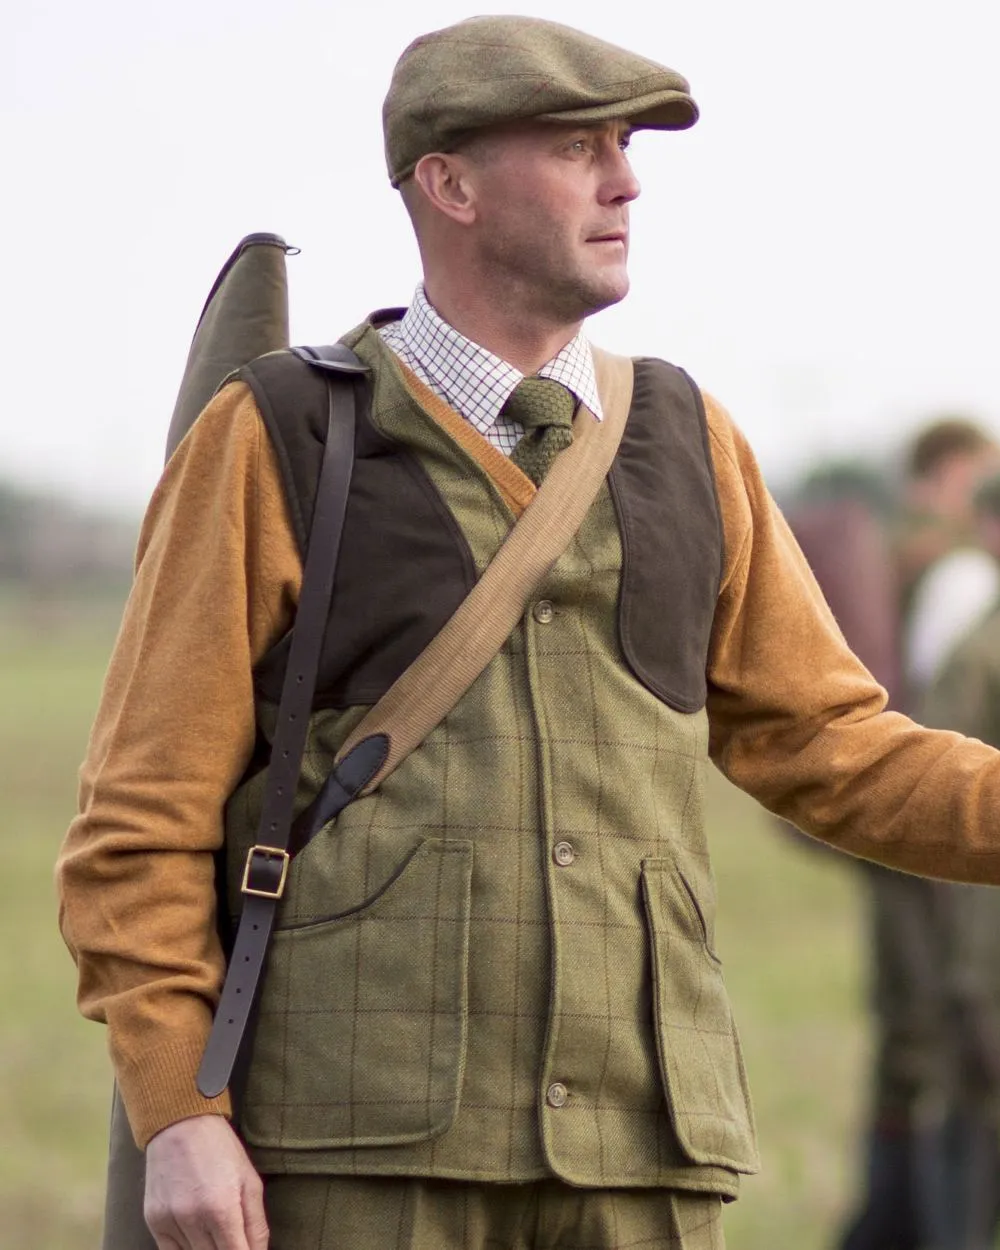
(947, 579)
(840, 515)
(840, 518)
(958, 1111)
(945, 582)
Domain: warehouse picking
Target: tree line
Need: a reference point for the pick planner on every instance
(50, 544)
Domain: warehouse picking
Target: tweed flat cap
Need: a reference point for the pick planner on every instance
(489, 70)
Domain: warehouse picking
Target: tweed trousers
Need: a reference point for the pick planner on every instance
(375, 1213)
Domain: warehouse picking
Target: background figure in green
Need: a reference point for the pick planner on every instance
(945, 464)
(958, 1150)
(841, 517)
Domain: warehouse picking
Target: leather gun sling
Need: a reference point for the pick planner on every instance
(434, 683)
(267, 862)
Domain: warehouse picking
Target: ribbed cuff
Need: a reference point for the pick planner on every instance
(159, 1089)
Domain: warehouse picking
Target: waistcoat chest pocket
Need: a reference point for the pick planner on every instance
(701, 1063)
(362, 1030)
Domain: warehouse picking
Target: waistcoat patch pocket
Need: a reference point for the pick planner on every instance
(362, 1030)
(701, 1063)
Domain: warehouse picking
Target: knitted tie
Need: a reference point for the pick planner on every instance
(545, 409)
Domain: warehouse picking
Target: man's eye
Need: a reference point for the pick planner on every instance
(625, 142)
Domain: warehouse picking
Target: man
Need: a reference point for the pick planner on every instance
(561, 1069)
(958, 1108)
(945, 582)
(839, 516)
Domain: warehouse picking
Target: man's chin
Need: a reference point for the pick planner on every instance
(586, 294)
(607, 293)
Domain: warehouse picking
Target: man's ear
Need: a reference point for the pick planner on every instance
(445, 181)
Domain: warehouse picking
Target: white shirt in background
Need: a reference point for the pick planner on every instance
(953, 596)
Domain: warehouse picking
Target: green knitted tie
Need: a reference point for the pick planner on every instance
(545, 409)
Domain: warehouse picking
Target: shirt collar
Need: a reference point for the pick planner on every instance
(474, 381)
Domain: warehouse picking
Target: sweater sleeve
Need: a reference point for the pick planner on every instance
(799, 723)
(216, 582)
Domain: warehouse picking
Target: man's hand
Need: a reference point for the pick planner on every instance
(202, 1192)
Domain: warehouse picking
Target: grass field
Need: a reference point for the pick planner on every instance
(790, 932)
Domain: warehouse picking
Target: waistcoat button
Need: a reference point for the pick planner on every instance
(563, 854)
(542, 612)
(556, 1094)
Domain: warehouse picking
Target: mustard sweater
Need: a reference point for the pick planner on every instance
(795, 720)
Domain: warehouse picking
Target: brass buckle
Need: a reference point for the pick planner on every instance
(268, 852)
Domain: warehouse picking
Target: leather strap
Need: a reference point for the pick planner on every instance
(267, 862)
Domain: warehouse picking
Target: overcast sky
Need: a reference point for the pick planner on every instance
(820, 251)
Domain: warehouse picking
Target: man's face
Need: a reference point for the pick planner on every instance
(552, 214)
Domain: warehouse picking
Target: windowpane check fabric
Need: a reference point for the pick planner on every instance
(544, 409)
(475, 382)
(464, 1037)
(404, 1213)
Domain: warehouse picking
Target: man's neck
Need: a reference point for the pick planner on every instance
(527, 343)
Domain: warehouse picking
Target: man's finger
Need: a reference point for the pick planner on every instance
(166, 1242)
(168, 1235)
(164, 1229)
(254, 1217)
(225, 1230)
(201, 1227)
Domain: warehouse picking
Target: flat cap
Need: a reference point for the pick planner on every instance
(489, 70)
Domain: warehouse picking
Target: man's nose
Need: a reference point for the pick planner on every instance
(621, 185)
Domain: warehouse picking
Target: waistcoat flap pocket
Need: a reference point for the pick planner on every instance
(701, 1063)
(361, 1037)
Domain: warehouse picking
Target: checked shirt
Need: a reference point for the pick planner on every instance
(471, 379)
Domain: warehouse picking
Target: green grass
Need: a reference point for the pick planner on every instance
(790, 932)
(54, 1093)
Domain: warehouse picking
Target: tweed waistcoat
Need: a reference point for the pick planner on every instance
(500, 966)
